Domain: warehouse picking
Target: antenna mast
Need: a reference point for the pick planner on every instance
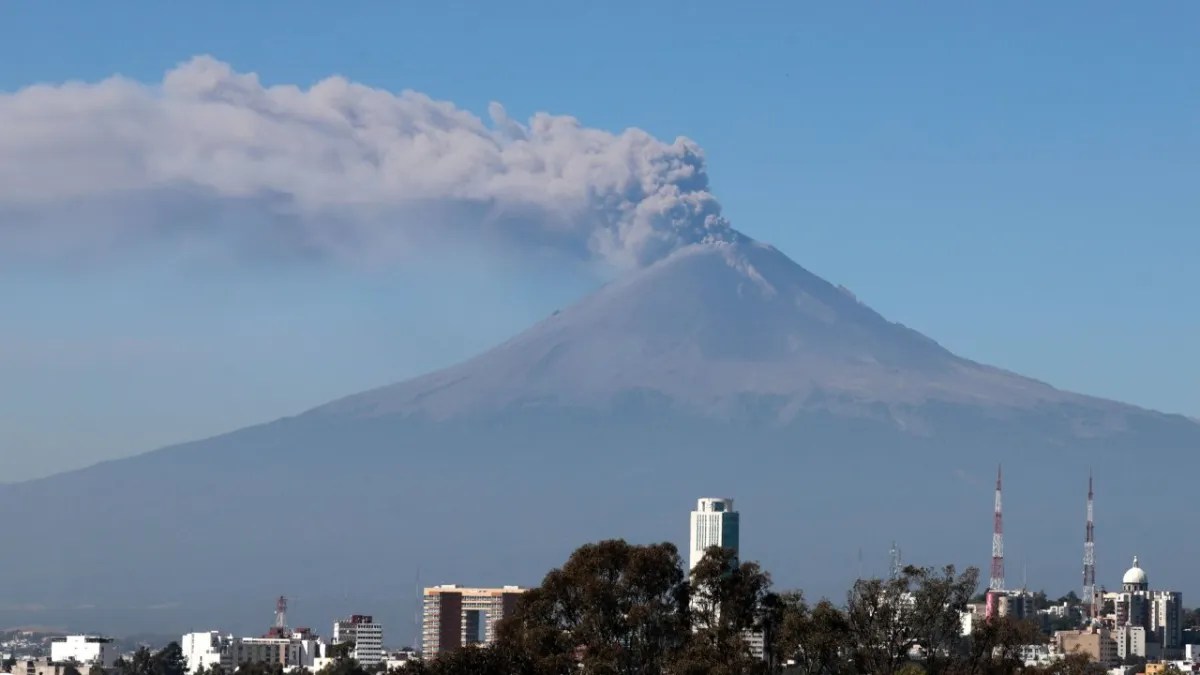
(1089, 557)
(895, 562)
(281, 613)
(997, 579)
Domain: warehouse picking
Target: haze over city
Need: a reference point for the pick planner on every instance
(391, 268)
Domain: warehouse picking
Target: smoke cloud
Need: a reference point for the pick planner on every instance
(339, 169)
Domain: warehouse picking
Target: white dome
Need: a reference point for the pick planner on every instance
(1135, 575)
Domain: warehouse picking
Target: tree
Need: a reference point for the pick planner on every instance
(816, 641)
(96, 669)
(1070, 599)
(994, 647)
(343, 665)
(1040, 601)
(142, 662)
(473, 660)
(342, 650)
(170, 660)
(728, 599)
(71, 669)
(934, 613)
(879, 630)
(612, 608)
(1138, 662)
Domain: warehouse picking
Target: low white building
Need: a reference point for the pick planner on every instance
(89, 650)
(1039, 656)
(204, 650)
(401, 658)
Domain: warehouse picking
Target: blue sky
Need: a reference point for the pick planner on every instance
(1018, 183)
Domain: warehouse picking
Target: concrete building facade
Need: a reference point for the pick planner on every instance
(300, 649)
(714, 523)
(42, 666)
(91, 650)
(453, 617)
(1158, 613)
(365, 634)
(1096, 643)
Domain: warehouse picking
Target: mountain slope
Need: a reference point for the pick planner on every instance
(707, 329)
(725, 368)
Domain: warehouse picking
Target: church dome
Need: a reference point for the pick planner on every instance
(1135, 575)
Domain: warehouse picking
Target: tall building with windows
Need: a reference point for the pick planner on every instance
(365, 634)
(1158, 615)
(714, 523)
(454, 617)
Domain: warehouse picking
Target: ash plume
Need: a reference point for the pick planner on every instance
(212, 156)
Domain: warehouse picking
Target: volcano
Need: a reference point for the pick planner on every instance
(725, 330)
(723, 368)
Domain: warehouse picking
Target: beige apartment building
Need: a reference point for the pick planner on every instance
(1097, 643)
(454, 617)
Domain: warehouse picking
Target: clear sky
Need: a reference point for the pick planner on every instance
(1021, 183)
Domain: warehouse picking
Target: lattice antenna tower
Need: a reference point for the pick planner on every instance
(996, 582)
(895, 566)
(281, 613)
(1089, 556)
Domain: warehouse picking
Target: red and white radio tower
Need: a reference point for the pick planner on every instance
(997, 580)
(1089, 558)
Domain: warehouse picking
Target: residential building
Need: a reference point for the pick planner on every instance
(400, 659)
(1013, 604)
(1158, 612)
(202, 651)
(300, 648)
(91, 650)
(41, 666)
(1095, 642)
(1131, 642)
(365, 634)
(1038, 656)
(455, 617)
(714, 523)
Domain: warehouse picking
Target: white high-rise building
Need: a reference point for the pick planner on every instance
(714, 523)
(366, 635)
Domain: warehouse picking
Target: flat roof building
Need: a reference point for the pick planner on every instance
(91, 650)
(714, 523)
(454, 617)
